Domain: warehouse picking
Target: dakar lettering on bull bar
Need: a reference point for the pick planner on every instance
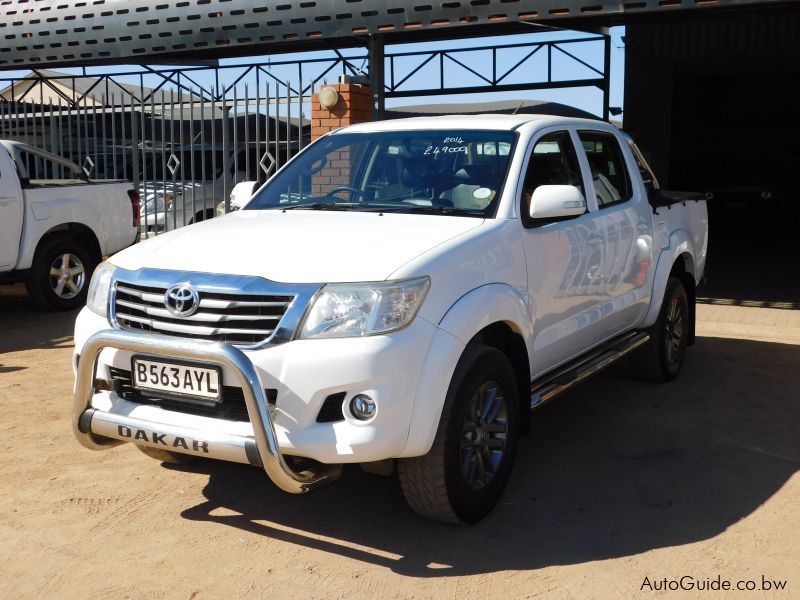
(158, 438)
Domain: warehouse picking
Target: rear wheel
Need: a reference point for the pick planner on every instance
(203, 215)
(60, 275)
(166, 456)
(463, 476)
(661, 359)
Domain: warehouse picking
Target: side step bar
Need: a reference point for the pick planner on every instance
(551, 385)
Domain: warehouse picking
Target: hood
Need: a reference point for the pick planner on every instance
(298, 246)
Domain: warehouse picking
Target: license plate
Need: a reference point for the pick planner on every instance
(181, 379)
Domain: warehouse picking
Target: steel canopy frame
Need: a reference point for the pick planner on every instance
(39, 33)
(504, 67)
(496, 75)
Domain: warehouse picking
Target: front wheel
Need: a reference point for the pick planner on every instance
(463, 476)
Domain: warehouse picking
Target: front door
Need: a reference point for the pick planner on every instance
(564, 260)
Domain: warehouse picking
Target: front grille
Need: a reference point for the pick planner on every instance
(240, 319)
(231, 407)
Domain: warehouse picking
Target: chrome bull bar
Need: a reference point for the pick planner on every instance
(99, 430)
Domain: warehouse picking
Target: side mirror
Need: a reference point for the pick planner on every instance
(557, 201)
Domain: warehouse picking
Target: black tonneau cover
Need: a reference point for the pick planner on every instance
(661, 198)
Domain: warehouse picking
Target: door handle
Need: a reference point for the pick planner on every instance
(595, 240)
(642, 227)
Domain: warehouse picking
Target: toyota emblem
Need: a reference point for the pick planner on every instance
(181, 300)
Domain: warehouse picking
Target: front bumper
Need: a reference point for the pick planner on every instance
(98, 430)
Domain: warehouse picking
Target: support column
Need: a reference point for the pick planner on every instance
(376, 75)
(606, 73)
(342, 104)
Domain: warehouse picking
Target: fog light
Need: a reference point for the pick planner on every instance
(363, 407)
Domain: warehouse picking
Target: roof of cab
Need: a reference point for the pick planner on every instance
(486, 121)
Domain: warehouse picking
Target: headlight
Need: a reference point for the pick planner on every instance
(353, 310)
(97, 297)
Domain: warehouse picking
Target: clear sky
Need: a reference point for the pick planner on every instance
(589, 99)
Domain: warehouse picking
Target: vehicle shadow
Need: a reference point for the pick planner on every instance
(24, 327)
(614, 468)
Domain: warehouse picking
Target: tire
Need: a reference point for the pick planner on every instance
(203, 215)
(435, 485)
(166, 456)
(661, 359)
(76, 263)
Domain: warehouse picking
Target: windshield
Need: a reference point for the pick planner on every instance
(440, 172)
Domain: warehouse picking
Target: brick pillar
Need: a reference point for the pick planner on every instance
(354, 106)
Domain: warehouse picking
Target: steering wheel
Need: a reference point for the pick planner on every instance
(346, 188)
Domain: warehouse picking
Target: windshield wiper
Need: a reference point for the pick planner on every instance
(438, 210)
(317, 206)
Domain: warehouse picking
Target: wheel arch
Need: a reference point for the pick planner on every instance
(495, 315)
(502, 336)
(683, 269)
(77, 231)
(676, 261)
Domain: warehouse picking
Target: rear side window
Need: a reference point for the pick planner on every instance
(612, 184)
(553, 162)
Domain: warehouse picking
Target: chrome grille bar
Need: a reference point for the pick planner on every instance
(204, 317)
(211, 303)
(194, 330)
(243, 311)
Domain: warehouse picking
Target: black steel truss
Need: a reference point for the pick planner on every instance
(302, 77)
(496, 75)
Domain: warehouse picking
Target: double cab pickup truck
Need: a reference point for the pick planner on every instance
(56, 224)
(400, 294)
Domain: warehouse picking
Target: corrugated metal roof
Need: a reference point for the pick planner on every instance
(120, 31)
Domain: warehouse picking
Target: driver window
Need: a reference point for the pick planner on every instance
(553, 162)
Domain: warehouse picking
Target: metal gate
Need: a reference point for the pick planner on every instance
(184, 142)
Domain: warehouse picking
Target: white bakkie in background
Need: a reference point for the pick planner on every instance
(401, 293)
(56, 225)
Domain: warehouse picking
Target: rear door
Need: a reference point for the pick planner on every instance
(625, 223)
(564, 258)
(11, 209)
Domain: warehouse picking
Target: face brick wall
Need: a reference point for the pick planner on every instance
(353, 107)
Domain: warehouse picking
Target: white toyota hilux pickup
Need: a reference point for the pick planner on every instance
(400, 293)
(56, 224)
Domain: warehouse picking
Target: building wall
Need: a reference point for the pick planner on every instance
(690, 83)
